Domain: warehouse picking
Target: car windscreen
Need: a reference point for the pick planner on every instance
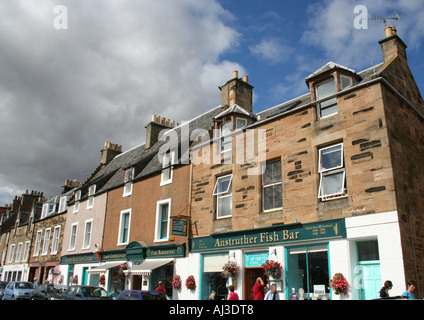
(95, 292)
(23, 285)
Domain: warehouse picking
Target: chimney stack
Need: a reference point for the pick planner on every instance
(392, 46)
(155, 127)
(110, 151)
(237, 91)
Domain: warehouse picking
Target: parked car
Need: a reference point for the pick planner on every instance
(141, 295)
(49, 292)
(3, 285)
(18, 290)
(79, 292)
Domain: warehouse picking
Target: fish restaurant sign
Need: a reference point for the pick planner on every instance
(271, 235)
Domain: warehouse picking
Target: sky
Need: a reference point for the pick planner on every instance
(77, 73)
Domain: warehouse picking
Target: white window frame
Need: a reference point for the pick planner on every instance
(121, 240)
(240, 119)
(128, 181)
(56, 239)
(73, 237)
(45, 211)
(226, 137)
(38, 240)
(63, 204)
(324, 99)
(26, 251)
(19, 252)
(88, 229)
(222, 195)
(77, 201)
(160, 221)
(336, 170)
(91, 193)
(271, 185)
(11, 253)
(167, 174)
(46, 243)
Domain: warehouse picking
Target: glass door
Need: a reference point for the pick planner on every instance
(307, 272)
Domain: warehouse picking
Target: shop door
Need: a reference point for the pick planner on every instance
(368, 269)
(250, 276)
(369, 276)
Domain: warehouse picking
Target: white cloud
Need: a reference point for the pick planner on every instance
(271, 50)
(64, 92)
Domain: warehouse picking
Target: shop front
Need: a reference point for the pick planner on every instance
(301, 250)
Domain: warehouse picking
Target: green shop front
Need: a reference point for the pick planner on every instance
(302, 250)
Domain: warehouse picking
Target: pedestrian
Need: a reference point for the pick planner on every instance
(384, 291)
(411, 288)
(258, 289)
(36, 283)
(161, 288)
(272, 294)
(232, 295)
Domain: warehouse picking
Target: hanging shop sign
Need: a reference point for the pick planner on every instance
(179, 226)
(280, 234)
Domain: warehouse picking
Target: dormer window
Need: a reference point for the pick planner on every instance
(91, 192)
(167, 168)
(62, 204)
(77, 200)
(128, 181)
(226, 142)
(45, 210)
(328, 107)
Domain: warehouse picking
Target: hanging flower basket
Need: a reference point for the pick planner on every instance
(230, 269)
(176, 282)
(339, 284)
(102, 279)
(122, 268)
(190, 283)
(272, 268)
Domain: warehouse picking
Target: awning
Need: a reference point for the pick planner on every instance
(103, 268)
(145, 269)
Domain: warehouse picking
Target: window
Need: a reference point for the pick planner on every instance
(56, 238)
(128, 181)
(62, 204)
(77, 201)
(73, 238)
(124, 227)
(163, 210)
(345, 82)
(45, 211)
(167, 169)
(226, 142)
(46, 242)
(11, 253)
(241, 123)
(19, 252)
(223, 193)
(26, 252)
(91, 192)
(272, 192)
(87, 234)
(332, 173)
(38, 243)
(328, 107)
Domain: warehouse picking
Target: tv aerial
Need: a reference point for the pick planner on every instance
(384, 19)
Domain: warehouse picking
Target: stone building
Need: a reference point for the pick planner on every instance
(330, 185)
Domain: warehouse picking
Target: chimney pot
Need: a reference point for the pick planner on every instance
(235, 74)
(246, 79)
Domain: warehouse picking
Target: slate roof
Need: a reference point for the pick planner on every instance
(146, 162)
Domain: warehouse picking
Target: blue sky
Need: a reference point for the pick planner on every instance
(282, 42)
(65, 91)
